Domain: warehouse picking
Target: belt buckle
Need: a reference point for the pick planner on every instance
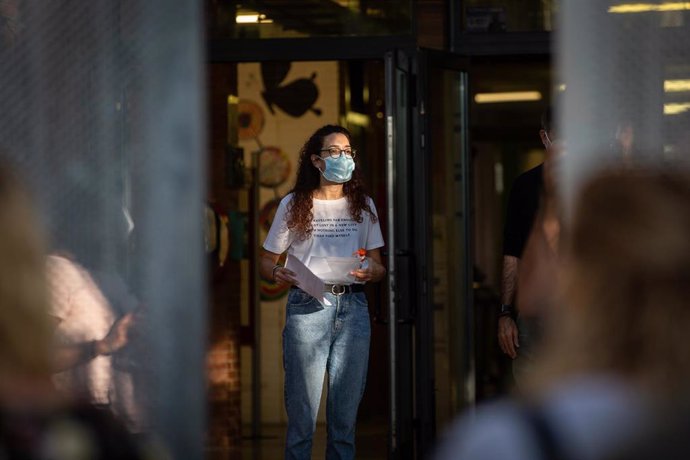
(338, 289)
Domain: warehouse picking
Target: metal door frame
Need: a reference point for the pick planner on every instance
(410, 264)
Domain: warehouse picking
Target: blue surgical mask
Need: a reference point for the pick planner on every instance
(338, 170)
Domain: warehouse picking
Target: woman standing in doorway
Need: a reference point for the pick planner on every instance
(326, 214)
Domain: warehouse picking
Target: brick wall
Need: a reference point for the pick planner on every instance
(223, 358)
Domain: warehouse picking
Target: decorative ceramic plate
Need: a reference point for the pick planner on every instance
(250, 119)
(274, 167)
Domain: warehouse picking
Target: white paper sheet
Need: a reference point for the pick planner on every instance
(334, 270)
(307, 281)
(341, 267)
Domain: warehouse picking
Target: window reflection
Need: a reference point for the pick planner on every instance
(309, 18)
(513, 16)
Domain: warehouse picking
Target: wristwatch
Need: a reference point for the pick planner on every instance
(506, 310)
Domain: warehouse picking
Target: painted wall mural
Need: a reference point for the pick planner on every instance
(295, 97)
(281, 105)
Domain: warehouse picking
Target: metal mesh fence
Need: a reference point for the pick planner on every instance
(101, 115)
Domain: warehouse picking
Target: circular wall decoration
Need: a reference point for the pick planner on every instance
(250, 119)
(267, 213)
(272, 291)
(274, 167)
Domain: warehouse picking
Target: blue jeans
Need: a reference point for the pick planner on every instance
(317, 339)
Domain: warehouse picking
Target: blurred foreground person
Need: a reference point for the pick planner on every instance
(86, 333)
(615, 353)
(35, 421)
(97, 316)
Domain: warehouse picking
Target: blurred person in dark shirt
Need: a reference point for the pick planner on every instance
(518, 332)
(615, 356)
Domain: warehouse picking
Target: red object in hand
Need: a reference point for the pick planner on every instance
(362, 253)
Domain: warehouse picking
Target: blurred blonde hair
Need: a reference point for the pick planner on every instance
(625, 284)
(25, 329)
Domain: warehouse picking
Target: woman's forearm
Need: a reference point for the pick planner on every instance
(266, 264)
(378, 271)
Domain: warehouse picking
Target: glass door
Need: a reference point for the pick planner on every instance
(429, 259)
(451, 303)
(400, 212)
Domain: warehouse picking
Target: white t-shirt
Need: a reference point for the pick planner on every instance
(335, 233)
(84, 315)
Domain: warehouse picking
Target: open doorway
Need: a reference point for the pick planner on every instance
(272, 108)
(509, 96)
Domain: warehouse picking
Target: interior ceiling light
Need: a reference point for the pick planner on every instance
(247, 18)
(511, 96)
(649, 7)
(676, 86)
(358, 119)
(252, 18)
(675, 108)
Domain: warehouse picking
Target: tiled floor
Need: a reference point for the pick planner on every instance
(371, 444)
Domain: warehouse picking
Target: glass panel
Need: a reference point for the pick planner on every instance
(509, 16)
(449, 237)
(309, 18)
(508, 99)
(626, 67)
(104, 126)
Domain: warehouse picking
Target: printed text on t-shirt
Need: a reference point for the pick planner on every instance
(333, 228)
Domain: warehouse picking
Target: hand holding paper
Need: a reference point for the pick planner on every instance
(306, 280)
(283, 275)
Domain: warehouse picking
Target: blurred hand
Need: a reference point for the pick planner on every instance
(117, 337)
(508, 336)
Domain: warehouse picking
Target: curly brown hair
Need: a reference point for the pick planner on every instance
(300, 213)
